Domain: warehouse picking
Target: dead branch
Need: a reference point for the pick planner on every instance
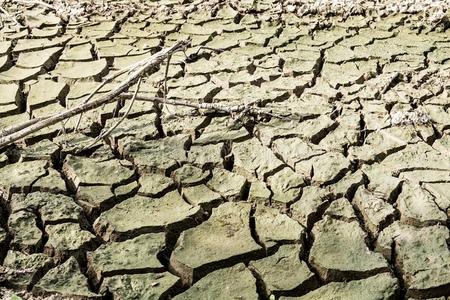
(6, 13)
(104, 134)
(217, 107)
(143, 67)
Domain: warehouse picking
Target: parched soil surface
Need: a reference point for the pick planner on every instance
(345, 197)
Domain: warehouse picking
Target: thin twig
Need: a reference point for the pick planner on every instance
(4, 11)
(165, 79)
(208, 106)
(108, 132)
(144, 67)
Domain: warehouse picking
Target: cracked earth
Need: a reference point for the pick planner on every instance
(348, 197)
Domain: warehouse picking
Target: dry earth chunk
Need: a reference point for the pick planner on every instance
(421, 255)
(228, 184)
(142, 215)
(284, 273)
(350, 259)
(140, 286)
(131, 256)
(382, 286)
(224, 239)
(65, 280)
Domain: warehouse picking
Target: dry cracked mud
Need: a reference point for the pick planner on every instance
(345, 197)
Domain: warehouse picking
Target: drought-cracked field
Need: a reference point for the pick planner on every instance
(340, 191)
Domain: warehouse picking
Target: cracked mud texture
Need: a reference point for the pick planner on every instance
(345, 197)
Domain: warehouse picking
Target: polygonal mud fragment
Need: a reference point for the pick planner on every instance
(274, 228)
(347, 186)
(350, 259)
(18, 75)
(201, 93)
(26, 45)
(189, 175)
(139, 215)
(418, 208)
(140, 286)
(286, 186)
(252, 159)
(201, 195)
(67, 238)
(382, 286)
(46, 58)
(341, 209)
(154, 185)
(86, 171)
(28, 267)
(26, 235)
(53, 209)
(131, 256)
(65, 280)
(381, 184)
(284, 273)
(259, 192)
(89, 70)
(229, 185)
(295, 149)
(11, 96)
(141, 127)
(324, 169)
(420, 156)
(43, 150)
(198, 251)
(162, 155)
(206, 156)
(221, 129)
(79, 52)
(376, 212)
(421, 256)
(236, 282)
(95, 197)
(440, 193)
(18, 177)
(311, 205)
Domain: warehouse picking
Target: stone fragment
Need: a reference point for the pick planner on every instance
(140, 286)
(350, 259)
(229, 185)
(65, 280)
(198, 251)
(382, 286)
(135, 255)
(236, 282)
(140, 214)
(284, 273)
